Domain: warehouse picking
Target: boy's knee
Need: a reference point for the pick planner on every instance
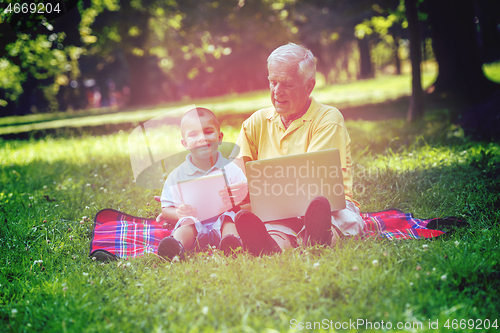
(185, 230)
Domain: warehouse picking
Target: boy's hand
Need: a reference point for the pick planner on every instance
(225, 200)
(239, 192)
(186, 210)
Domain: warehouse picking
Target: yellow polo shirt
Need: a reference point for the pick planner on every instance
(263, 135)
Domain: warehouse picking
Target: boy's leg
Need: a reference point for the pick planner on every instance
(186, 235)
(183, 237)
(228, 227)
(229, 237)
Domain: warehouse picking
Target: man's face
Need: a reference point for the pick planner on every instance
(201, 136)
(289, 93)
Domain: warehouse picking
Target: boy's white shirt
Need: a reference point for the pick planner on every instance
(170, 196)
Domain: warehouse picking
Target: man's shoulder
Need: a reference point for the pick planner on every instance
(260, 115)
(327, 113)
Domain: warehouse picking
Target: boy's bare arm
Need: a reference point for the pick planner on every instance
(169, 214)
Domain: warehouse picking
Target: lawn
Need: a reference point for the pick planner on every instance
(52, 188)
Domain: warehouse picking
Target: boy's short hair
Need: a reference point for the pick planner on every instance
(201, 112)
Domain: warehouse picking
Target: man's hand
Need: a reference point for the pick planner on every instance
(238, 193)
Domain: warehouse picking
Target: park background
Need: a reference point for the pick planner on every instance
(423, 121)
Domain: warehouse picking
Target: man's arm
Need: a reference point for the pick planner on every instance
(241, 161)
(239, 190)
(334, 135)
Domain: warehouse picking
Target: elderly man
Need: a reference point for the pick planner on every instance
(296, 123)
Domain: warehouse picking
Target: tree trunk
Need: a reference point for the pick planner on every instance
(457, 52)
(397, 61)
(345, 61)
(416, 108)
(140, 93)
(365, 61)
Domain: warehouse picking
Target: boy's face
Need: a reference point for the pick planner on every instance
(201, 136)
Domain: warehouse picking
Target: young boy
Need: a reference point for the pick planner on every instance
(201, 135)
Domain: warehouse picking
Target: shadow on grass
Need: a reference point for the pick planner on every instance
(467, 191)
(394, 109)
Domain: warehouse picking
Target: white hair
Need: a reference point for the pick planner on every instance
(299, 54)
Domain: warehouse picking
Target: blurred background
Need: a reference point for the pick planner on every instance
(132, 54)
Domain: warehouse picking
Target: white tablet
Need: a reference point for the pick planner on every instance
(203, 194)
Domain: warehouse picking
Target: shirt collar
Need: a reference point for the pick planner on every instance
(313, 108)
(192, 169)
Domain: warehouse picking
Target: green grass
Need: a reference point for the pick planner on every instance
(430, 169)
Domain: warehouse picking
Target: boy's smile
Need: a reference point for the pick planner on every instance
(201, 137)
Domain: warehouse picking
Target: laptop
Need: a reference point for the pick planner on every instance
(283, 187)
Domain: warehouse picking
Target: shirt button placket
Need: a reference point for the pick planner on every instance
(284, 146)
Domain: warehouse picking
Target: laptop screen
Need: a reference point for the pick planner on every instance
(283, 187)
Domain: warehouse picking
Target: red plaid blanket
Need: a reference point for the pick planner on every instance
(395, 224)
(128, 236)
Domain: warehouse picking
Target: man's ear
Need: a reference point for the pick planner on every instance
(184, 143)
(221, 135)
(310, 85)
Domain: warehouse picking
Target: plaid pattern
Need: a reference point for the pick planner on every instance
(129, 236)
(395, 224)
(126, 236)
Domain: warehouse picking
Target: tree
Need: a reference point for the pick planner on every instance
(457, 52)
(378, 28)
(197, 48)
(38, 55)
(416, 108)
(365, 61)
(327, 27)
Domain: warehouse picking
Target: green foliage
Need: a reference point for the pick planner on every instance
(376, 24)
(11, 79)
(37, 54)
(492, 71)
